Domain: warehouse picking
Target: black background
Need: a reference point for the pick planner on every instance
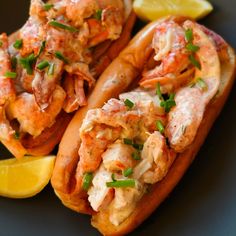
(202, 204)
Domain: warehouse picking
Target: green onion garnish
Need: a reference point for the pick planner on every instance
(166, 104)
(87, 179)
(13, 63)
(135, 145)
(136, 156)
(158, 91)
(61, 57)
(121, 183)
(128, 172)
(113, 177)
(28, 62)
(16, 135)
(169, 103)
(63, 26)
(10, 74)
(160, 126)
(194, 61)
(172, 96)
(201, 83)
(138, 146)
(128, 103)
(192, 48)
(128, 141)
(18, 44)
(98, 14)
(47, 7)
(189, 35)
(43, 45)
(42, 65)
(1, 43)
(51, 69)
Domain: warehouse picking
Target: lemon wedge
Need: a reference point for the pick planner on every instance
(25, 177)
(153, 9)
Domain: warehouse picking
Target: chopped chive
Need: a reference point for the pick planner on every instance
(192, 48)
(63, 26)
(13, 63)
(135, 145)
(121, 183)
(128, 141)
(138, 146)
(128, 172)
(25, 64)
(87, 180)
(158, 91)
(51, 69)
(128, 103)
(194, 61)
(172, 96)
(136, 156)
(43, 45)
(113, 177)
(201, 83)
(17, 135)
(28, 62)
(166, 104)
(169, 103)
(42, 65)
(160, 126)
(10, 74)
(47, 7)
(61, 57)
(189, 35)
(18, 44)
(1, 43)
(98, 14)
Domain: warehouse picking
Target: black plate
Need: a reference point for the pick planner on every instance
(202, 204)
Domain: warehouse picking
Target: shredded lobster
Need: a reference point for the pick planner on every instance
(52, 61)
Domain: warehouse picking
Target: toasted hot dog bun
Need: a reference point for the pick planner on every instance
(116, 79)
(46, 142)
(161, 190)
(51, 136)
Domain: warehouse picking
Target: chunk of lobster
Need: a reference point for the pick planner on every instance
(31, 118)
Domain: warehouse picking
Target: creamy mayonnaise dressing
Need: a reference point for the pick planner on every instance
(118, 156)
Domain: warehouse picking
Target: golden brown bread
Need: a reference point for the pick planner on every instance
(116, 79)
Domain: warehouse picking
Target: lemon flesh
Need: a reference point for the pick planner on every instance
(150, 10)
(26, 177)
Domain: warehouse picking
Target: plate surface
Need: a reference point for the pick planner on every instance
(202, 204)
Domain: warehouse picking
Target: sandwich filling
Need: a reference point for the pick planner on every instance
(53, 63)
(131, 143)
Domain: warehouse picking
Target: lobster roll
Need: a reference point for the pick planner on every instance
(145, 121)
(50, 66)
